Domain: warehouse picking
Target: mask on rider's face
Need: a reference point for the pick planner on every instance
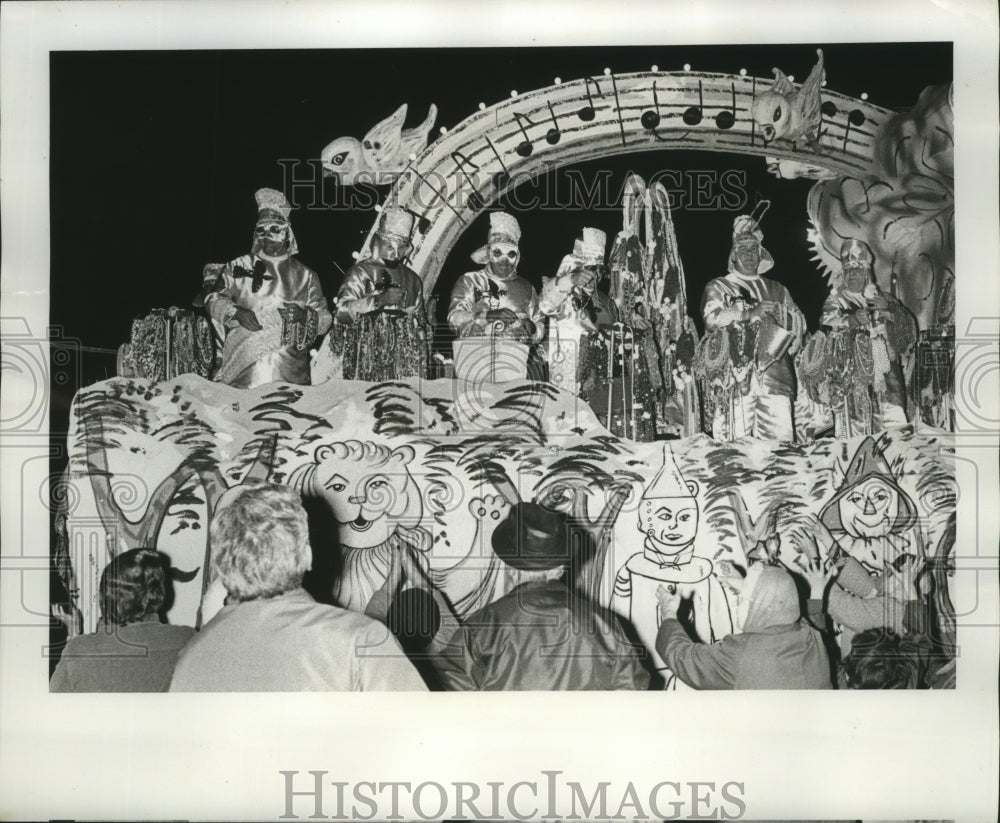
(503, 259)
(855, 277)
(393, 249)
(273, 237)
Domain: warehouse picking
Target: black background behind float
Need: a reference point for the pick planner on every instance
(156, 155)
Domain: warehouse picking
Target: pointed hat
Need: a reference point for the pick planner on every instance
(868, 463)
(504, 228)
(747, 229)
(669, 482)
(590, 248)
(272, 204)
(396, 222)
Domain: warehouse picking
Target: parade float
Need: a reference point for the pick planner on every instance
(427, 462)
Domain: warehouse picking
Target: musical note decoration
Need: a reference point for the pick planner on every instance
(650, 119)
(553, 135)
(524, 148)
(422, 222)
(618, 105)
(588, 113)
(855, 119)
(726, 118)
(463, 172)
(475, 199)
(692, 116)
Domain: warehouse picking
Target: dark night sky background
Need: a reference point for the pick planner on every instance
(155, 157)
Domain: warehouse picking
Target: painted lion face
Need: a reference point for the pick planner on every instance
(869, 509)
(369, 490)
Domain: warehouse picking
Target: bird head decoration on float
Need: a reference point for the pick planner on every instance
(381, 155)
(787, 113)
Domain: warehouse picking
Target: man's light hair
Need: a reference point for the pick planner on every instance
(260, 541)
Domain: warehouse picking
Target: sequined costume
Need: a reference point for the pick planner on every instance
(366, 279)
(863, 368)
(481, 291)
(373, 339)
(745, 364)
(268, 282)
(254, 358)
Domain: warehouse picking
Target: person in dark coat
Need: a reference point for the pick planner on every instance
(131, 651)
(541, 635)
(776, 649)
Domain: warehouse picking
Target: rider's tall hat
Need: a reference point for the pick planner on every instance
(504, 228)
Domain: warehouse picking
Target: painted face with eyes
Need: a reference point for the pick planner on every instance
(503, 259)
(869, 509)
(365, 502)
(671, 521)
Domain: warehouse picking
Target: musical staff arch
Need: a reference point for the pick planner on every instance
(465, 170)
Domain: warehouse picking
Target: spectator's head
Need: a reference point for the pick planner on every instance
(535, 541)
(134, 586)
(260, 541)
(879, 660)
(768, 598)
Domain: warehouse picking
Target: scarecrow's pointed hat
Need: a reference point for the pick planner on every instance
(868, 463)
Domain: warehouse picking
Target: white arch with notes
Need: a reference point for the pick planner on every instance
(468, 167)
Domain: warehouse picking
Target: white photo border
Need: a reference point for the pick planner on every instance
(811, 756)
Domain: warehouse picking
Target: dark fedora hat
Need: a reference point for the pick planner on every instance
(532, 538)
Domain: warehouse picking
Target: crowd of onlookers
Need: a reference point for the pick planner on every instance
(813, 624)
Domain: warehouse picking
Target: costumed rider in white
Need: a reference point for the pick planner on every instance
(495, 300)
(270, 304)
(668, 516)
